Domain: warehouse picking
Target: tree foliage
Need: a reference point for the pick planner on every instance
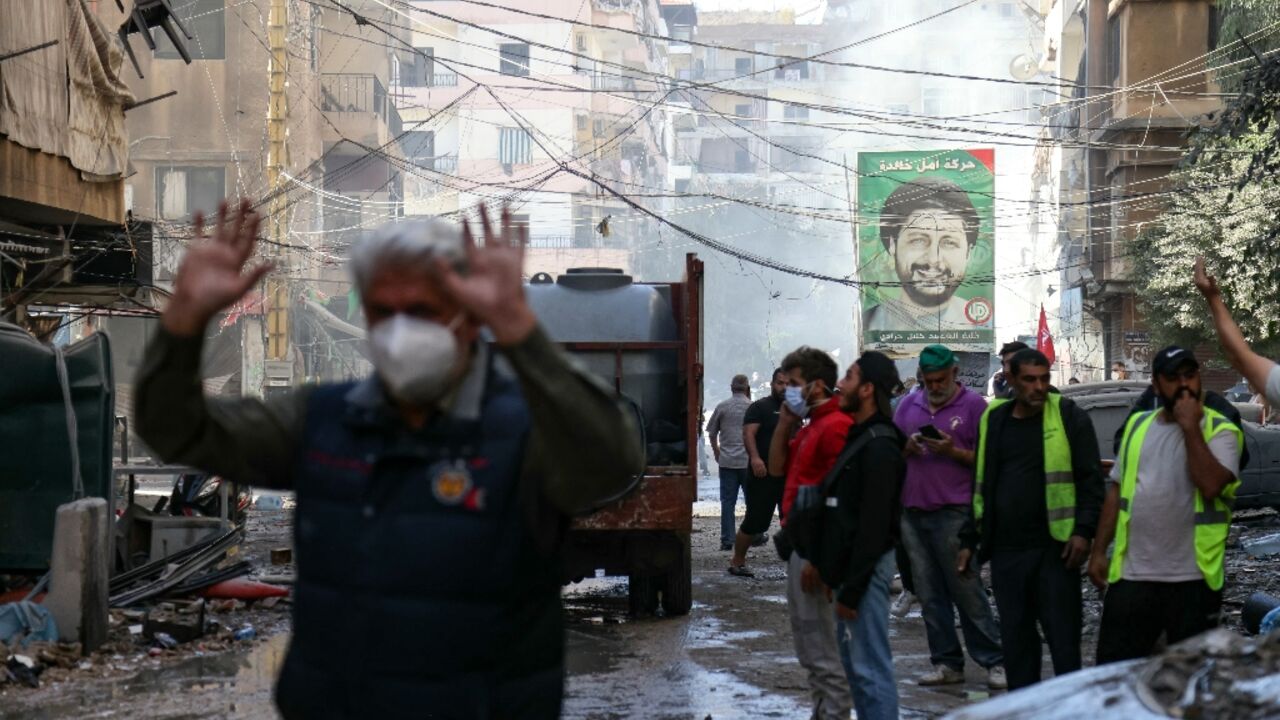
(1225, 206)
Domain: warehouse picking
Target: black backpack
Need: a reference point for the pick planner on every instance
(805, 521)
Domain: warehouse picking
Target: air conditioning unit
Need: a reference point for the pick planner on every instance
(791, 75)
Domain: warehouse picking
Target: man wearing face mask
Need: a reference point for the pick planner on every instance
(1168, 507)
(804, 455)
(432, 496)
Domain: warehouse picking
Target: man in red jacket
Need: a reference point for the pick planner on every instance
(810, 435)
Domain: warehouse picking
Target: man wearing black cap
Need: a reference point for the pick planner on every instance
(860, 529)
(1168, 508)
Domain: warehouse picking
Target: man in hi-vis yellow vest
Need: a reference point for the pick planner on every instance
(1168, 507)
(1036, 497)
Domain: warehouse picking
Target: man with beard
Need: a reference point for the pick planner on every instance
(929, 227)
(432, 495)
(1168, 507)
(1037, 494)
(764, 491)
(941, 425)
(859, 531)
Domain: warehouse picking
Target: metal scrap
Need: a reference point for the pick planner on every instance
(171, 575)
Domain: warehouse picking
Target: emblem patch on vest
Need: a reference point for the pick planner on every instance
(452, 483)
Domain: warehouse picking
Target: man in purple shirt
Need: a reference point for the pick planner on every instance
(941, 425)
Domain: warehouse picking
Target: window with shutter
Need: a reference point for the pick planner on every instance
(515, 147)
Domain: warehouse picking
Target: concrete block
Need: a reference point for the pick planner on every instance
(79, 572)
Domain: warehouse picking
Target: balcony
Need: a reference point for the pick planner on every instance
(794, 72)
(552, 241)
(438, 163)
(612, 82)
(359, 108)
(407, 82)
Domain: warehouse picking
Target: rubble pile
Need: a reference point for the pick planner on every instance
(227, 624)
(193, 603)
(1218, 675)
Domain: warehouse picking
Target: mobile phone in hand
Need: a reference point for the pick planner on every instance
(930, 432)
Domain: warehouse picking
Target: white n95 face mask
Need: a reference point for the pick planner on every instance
(414, 357)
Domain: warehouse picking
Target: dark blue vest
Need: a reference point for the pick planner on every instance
(421, 589)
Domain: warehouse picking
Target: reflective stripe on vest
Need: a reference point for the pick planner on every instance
(1212, 523)
(1059, 479)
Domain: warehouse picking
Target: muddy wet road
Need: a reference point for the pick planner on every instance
(731, 657)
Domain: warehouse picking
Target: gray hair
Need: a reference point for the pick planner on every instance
(407, 243)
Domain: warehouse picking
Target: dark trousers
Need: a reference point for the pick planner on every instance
(1136, 612)
(764, 496)
(1033, 586)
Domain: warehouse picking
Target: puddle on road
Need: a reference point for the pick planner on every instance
(708, 632)
(687, 690)
(232, 684)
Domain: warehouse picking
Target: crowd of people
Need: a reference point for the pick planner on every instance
(940, 481)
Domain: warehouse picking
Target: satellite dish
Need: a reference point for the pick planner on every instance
(1024, 67)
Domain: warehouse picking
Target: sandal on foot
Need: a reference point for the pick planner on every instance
(741, 571)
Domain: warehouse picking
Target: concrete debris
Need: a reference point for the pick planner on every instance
(1200, 677)
(1219, 674)
(79, 570)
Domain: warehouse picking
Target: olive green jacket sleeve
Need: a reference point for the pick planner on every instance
(584, 446)
(243, 439)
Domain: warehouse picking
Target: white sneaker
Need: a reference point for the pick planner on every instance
(902, 605)
(996, 679)
(942, 675)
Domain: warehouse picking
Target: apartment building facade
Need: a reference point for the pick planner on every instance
(498, 99)
(1134, 79)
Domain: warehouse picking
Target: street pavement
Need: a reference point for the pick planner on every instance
(731, 657)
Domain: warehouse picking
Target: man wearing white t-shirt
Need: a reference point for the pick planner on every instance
(1168, 506)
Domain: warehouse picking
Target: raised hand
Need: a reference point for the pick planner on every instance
(212, 275)
(492, 290)
(1205, 283)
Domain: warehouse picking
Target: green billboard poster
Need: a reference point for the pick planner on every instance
(926, 249)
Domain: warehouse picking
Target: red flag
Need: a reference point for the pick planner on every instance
(1044, 340)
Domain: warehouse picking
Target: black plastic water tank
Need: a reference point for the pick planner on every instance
(606, 305)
